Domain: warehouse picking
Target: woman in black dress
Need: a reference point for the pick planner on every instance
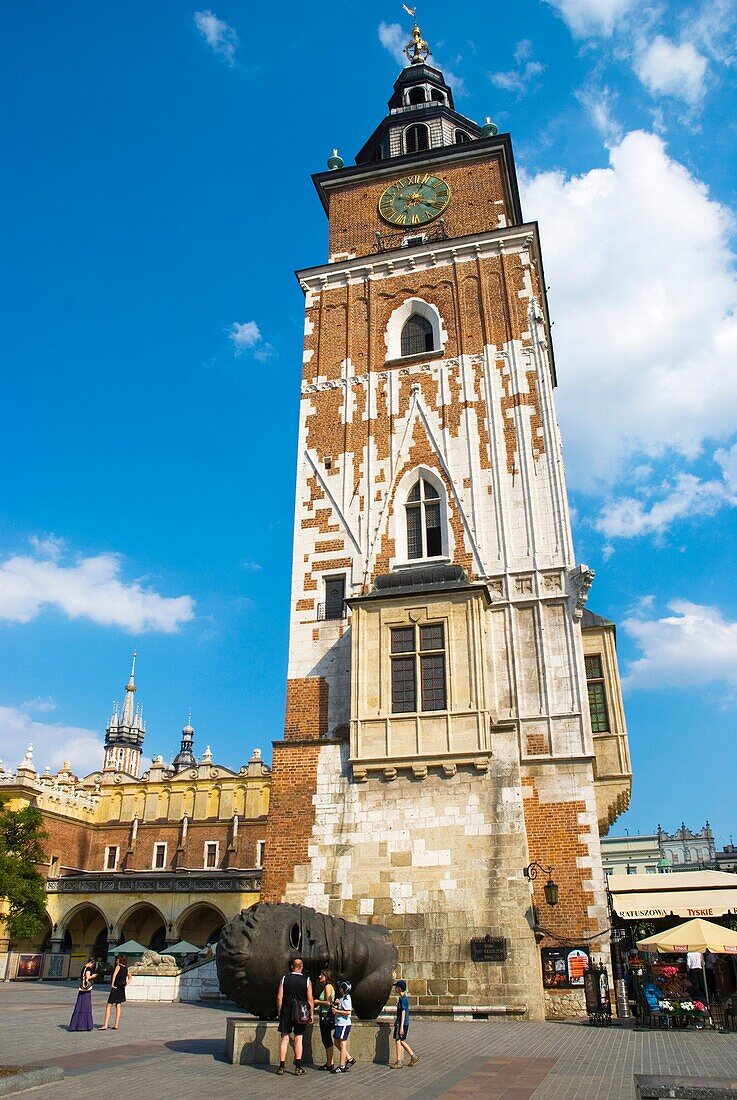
(118, 982)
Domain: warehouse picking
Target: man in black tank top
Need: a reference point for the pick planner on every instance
(296, 1007)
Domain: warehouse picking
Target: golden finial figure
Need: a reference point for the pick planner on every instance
(417, 50)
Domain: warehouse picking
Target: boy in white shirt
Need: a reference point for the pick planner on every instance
(342, 1009)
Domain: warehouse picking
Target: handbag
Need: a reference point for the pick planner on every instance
(300, 1009)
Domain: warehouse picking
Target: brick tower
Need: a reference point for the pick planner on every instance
(437, 734)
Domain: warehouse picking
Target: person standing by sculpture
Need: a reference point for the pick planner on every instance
(327, 1020)
(342, 1010)
(295, 1004)
(401, 1028)
(82, 1016)
(118, 982)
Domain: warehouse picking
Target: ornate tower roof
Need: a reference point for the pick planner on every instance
(125, 732)
(185, 758)
(423, 101)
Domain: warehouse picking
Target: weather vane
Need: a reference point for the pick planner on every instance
(417, 50)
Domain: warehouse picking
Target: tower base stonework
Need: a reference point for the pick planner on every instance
(438, 861)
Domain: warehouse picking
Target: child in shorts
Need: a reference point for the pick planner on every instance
(342, 1009)
(401, 1028)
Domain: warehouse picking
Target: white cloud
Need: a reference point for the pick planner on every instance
(693, 646)
(393, 38)
(644, 296)
(593, 18)
(244, 336)
(87, 588)
(220, 37)
(669, 69)
(728, 462)
(598, 104)
(520, 79)
(39, 705)
(47, 546)
(714, 26)
(52, 743)
(684, 498)
(251, 566)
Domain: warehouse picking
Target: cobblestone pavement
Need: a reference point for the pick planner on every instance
(163, 1052)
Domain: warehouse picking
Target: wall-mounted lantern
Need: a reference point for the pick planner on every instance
(550, 889)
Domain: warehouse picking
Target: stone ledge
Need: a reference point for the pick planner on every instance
(654, 1086)
(250, 1042)
(30, 1078)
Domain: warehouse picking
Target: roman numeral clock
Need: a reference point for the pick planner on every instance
(414, 200)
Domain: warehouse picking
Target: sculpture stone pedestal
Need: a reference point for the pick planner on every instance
(249, 1042)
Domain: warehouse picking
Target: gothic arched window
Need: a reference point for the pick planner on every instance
(417, 95)
(461, 136)
(417, 336)
(416, 137)
(424, 533)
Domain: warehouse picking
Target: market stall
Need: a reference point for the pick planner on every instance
(645, 910)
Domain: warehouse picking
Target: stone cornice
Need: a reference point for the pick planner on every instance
(420, 257)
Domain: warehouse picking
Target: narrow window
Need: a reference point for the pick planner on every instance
(597, 695)
(404, 687)
(416, 138)
(159, 862)
(417, 95)
(260, 850)
(111, 859)
(54, 866)
(461, 136)
(211, 854)
(410, 667)
(432, 667)
(424, 533)
(417, 336)
(335, 597)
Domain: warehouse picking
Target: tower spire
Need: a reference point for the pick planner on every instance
(185, 758)
(124, 735)
(129, 714)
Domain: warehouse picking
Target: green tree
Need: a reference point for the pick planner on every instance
(21, 885)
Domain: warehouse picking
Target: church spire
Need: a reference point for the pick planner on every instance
(129, 712)
(124, 735)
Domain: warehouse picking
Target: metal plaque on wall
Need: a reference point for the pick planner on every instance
(487, 949)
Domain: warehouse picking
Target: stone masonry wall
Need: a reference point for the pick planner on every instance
(437, 861)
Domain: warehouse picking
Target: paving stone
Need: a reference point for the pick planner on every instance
(176, 1051)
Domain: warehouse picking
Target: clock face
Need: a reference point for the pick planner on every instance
(414, 200)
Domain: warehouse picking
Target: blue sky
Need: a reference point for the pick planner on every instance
(157, 197)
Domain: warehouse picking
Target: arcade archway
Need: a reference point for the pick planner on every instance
(201, 924)
(145, 924)
(85, 931)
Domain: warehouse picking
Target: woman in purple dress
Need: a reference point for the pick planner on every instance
(82, 1016)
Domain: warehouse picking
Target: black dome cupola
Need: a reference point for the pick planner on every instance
(422, 113)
